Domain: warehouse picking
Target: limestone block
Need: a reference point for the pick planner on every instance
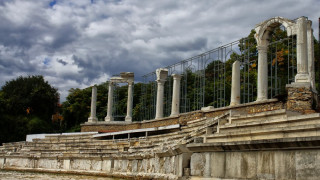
(117, 165)
(218, 161)
(66, 164)
(197, 164)
(307, 164)
(19, 162)
(240, 165)
(265, 166)
(107, 165)
(285, 165)
(81, 164)
(233, 165)
(207, 167)
(1, 163)
(155, 164)
(162, 165)
(177, 166)
(48, 163)
(145, 165)
(168, 163)
(96, 165)
(248, 165)
(134, 166)
(124, 165)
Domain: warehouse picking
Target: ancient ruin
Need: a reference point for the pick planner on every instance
(245, 133)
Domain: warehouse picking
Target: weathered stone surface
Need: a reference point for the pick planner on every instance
(218, 164)
(307, 164)
(96, 165)
(197, 164)
(48, 163)
(300, 97)
(285, 165)
(81, 164)
(107, 165)
(265, 165)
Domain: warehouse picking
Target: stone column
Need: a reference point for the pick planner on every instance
(162, 75)
(175, 95)
(262, 73)
(129, 102)
(160, 94)
(302, 52)
(110, 103)
(235, 86)
(93, 117)
(311, 56)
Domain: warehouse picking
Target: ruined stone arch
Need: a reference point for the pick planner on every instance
(264, 29)
(300, 27)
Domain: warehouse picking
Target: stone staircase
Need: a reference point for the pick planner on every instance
(266, 125)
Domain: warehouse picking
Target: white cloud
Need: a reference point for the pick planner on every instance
(84, 43)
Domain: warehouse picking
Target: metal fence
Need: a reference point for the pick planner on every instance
(206, 78)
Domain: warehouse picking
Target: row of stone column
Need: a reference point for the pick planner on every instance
(126, 77)
(161, 79)
(162, 75)
(305, 71)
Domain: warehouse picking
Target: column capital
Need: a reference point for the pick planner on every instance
(161, 81)
(111, 83)
(130, 83)
(176, 76)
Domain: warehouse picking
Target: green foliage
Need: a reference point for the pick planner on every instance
(76, 108)
(26, 107)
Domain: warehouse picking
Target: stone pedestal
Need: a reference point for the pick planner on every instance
(129, 102)
(93, 117)
(110, 103)
(175, 95)
(235, 86)
(300, 97)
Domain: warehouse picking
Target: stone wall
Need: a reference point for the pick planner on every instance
(248, 108)
(285, 164)
(300, 97)
(149, 168)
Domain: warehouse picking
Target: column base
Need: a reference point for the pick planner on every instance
(303, 78)
(261, 99)
(234, 103)
(128, 119)
(158, 117)
(174, 115)
(92, 119)
(108, 118)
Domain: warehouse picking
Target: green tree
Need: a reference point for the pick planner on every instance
(27, 105)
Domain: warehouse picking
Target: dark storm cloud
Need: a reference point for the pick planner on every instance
(78, 43)
(62, 62)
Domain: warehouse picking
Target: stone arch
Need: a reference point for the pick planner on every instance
(264, 29)
(294, 27)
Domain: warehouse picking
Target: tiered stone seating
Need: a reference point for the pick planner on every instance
(85, 145)
(266, 125)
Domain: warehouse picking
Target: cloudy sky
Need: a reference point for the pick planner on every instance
(77, 43)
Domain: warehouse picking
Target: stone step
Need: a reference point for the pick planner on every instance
(244, 118)
(271, 123)
(197, 120)
(264, 134)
